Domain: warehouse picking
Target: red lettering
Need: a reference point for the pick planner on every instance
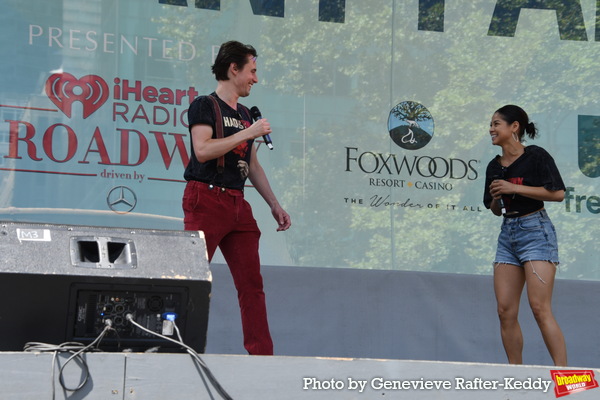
(100, 149)
(149, 93)
(143, 147)
(179, 145)
(166, 117)
(122, 91)
(120, 113)
(49, 139)
(166, 96)
(517, 181)
(183, 119)
(192, 94)
(60, 143)
(13, 140)
(180, 94)
(155, 120)
(140, 113)
(136, 90)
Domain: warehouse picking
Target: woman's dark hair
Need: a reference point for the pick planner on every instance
(231, 52)
(511, 113)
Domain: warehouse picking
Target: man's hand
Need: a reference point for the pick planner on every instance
(283, 218)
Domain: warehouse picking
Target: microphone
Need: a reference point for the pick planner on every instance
(500, 200)
(502, 208)
(256, 115)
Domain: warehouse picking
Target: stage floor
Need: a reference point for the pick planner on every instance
(155, 376)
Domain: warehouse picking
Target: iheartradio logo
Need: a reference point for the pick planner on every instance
(64, 89)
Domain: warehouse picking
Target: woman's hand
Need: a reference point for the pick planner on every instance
(498, 187)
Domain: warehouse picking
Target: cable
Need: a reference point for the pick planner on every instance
(191, 352)
(76, 349)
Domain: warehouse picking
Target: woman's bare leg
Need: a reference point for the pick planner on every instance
(539, 276)
(508, 285)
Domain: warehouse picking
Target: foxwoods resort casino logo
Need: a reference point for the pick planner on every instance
(415, 179)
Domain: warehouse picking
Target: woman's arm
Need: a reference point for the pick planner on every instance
(499, 187)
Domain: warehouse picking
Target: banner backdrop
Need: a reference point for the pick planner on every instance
(380, 112)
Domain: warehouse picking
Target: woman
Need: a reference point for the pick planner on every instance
(517, 184)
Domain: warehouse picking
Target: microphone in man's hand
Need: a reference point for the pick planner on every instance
(256, 115)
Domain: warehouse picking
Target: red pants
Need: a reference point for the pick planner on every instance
(226, 219)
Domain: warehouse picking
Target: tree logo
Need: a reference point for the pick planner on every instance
(410, 125)
(64, 89)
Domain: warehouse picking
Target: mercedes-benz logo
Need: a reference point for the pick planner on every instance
(121, 199)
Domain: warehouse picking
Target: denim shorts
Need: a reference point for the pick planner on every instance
(528, 238)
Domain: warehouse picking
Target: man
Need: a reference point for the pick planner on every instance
(213, 200)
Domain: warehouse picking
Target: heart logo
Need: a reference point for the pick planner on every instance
(64, 89)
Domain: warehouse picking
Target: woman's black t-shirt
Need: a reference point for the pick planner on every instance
(535, 167)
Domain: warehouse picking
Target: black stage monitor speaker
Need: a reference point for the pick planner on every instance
(60, 283)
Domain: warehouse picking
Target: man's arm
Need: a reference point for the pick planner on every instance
(208, 148)
(259, 179)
